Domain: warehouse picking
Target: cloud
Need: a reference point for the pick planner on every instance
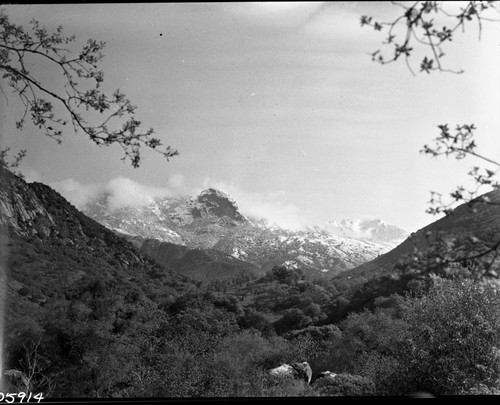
(275, 10)
(176, 181)
(270, 206)
(124, 192)
(75, 192)
(32, 175)
(121, 191)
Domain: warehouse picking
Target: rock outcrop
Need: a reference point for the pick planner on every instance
(20, 208)
(301, 371)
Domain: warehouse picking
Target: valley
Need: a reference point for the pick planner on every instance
(180, 287)
(206, 201)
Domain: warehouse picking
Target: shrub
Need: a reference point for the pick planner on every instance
(454, 339)
(345, 385)
(293, 318)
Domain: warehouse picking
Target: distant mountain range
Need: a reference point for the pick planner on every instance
(213, 222)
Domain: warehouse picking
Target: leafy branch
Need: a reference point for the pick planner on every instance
(80, 96)
(459, 145)
(419, 28)
(450, 257)
(421, 31)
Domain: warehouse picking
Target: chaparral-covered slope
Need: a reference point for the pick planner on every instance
(49, 250)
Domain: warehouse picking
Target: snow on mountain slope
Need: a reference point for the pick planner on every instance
(313, 251)
(165, 219)
(147, 221)
(370, 229)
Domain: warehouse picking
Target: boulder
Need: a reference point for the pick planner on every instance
(304, 371)
(297, 370)
(283, 370)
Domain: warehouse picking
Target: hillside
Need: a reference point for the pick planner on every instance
(465, 242)
(470, 229)
(52, 250)
(199, 264)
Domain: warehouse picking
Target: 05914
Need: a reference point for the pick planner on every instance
(20, 397)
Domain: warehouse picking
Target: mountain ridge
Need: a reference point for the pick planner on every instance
(199, 264)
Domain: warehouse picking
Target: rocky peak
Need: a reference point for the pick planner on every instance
(212, 202)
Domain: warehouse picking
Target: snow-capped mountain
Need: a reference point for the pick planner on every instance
(174, 220)
(370, 229)
(212, 220)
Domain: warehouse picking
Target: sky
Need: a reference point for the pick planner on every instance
(277, 104)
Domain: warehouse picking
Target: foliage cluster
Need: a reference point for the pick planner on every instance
(75, 96)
